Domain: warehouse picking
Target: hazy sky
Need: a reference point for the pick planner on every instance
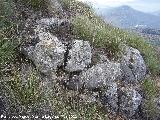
(143, 5)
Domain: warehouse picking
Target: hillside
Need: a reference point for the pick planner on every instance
(60, 60)
(127, 17)
(150, 35)
(157, 13)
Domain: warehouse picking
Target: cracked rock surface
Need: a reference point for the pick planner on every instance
(133, 66)
(100, 75)
(47, 54)
(79, 56)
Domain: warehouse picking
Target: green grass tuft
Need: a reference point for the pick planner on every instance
(8, 42)
(150, 91)
(98, 33)
(88, 26)
(35, 4)
(77, 7)
(27, 93)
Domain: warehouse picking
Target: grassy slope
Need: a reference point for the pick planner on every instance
(8, 43)
(89, 26)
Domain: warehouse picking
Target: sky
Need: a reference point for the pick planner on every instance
(142, 5)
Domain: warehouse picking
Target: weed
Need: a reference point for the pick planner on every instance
(98, 34)
(77, 7)
(150, 91)
(35, 4)
(27, 93)
(67, 104)
(8, 43)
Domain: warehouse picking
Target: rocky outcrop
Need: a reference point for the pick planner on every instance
(133, 66)
(79, 56)
(50, 53)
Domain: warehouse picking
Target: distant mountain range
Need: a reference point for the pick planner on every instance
(156, 13)
(127, 17)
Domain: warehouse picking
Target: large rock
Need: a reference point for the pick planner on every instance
(110, 97)
(79, 56)
(133, 66)
(129, 102)
(100, 75)
(47, 54)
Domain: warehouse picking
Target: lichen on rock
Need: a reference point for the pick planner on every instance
(79, 56)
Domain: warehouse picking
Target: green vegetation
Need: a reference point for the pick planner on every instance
(150, 91)
(36, 4)
(27, 93)
(99, 34)
(68, 104)
(8, 42)
(77, 7)
(150, 88)
(89, 26)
